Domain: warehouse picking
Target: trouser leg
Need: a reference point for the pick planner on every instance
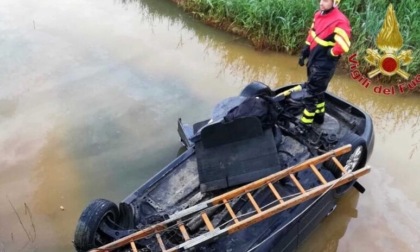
(309, 112)
(320, 110)
(314, 102)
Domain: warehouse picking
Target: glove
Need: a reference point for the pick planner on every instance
(301, 61)
(305, 52)
(303, 55)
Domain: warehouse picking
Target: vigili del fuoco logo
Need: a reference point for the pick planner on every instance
(389, 60)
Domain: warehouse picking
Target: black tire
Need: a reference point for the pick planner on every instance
(88, 235)
(353, 160)
(256, 88)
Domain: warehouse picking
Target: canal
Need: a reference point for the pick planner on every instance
(90, 92)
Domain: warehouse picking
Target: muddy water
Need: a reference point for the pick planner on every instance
(90, 93)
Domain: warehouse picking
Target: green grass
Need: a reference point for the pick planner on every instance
(282, 25)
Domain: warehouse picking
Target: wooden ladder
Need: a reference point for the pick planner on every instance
(260, 214)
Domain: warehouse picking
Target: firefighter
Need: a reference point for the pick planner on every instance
(328, 38)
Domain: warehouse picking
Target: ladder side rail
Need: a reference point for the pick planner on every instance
(312, 193)
(226, 196)
(259, 183)
(316, 191)
(279, 175)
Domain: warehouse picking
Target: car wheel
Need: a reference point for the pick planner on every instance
(351, 161)
(88, 234)
(256, 88)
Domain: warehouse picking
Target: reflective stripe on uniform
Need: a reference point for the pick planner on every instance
(321, 41)
(320, 108)
(307, 117)
(308, 114)
(342, 43)
(343, 34)
(307, 120)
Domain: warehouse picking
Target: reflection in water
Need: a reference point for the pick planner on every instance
(325, 237)
(234, 55)
(88, 109)
(53, 204)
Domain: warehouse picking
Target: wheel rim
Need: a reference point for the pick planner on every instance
(354, 159)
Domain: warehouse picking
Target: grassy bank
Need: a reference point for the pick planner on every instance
(282, 25)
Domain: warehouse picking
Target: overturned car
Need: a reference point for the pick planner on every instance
(248, 138)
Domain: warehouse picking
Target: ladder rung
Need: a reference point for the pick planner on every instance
(296, 182)
(207, 221)
(318, 174)
(339, 165)
(159, 239)
(253, 202)
(276, 193)
(230, 210)
(183, 231)
(133, 246)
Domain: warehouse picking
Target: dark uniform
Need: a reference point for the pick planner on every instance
(328, 38)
